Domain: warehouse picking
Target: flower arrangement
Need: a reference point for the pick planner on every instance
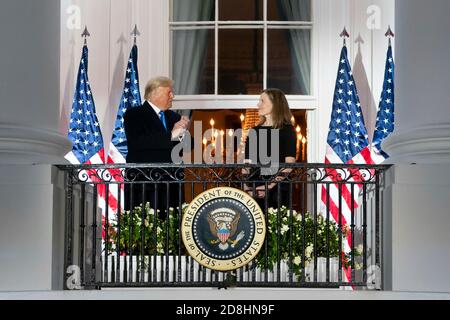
(126, 232)
(302, 229)
(161, 235)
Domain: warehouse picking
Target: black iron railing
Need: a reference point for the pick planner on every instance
(137, 242)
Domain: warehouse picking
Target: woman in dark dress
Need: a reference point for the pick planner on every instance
(275, 118)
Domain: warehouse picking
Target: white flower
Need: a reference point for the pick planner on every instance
(158, 230)
(284, 229)
(309, 250)
(359, 249)
(320, 218)
(297, 260)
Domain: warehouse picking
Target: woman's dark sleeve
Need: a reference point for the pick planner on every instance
(288, 142)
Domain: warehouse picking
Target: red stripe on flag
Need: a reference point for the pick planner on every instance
(334, 210)
(101, 187)
(346, 193)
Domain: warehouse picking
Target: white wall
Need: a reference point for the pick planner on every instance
(368, 19)
(110, 23)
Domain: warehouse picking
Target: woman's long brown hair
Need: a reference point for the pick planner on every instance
(281, 114)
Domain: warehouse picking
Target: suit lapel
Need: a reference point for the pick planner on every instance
(153, 117)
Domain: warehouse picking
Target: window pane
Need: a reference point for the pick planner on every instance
(193, 61)
(289, 10)
(193, 10)
(240, 10)
(240, 61)
(289, 60)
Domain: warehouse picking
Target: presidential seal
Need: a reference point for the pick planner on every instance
(223, 228)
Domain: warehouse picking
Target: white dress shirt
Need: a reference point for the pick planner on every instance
(155, 108)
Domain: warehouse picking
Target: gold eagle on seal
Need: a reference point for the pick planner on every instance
(223, 224)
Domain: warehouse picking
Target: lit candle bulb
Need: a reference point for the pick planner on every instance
(242, 117)
(303, 147)
(230, 132)
(222, 133)
(298, 129)
(292, 120)
(205, 141)
(213, 140)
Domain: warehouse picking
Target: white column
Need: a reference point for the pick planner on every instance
(31, 228)
(29, 82)
(422, 110)
(416, 211)
(31, 216)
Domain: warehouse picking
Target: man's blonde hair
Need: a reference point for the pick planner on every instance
(155, 83)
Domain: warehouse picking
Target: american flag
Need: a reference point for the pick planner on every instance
(84, 128)
(347, 143)
(385, 116)
(118, 150)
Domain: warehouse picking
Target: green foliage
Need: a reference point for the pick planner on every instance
(291, 242)
(160, 235)
(306, 237)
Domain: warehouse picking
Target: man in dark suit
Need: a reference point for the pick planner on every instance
(152, 130)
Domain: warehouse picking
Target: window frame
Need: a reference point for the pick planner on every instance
(239, 101)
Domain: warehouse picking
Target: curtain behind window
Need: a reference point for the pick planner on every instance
(189, 46)
(299, 10)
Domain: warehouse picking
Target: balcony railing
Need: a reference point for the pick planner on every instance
(137, 242)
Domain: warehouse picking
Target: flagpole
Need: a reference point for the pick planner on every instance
(389, 34)
(135, 33)
(85, 34)
(344, 34)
